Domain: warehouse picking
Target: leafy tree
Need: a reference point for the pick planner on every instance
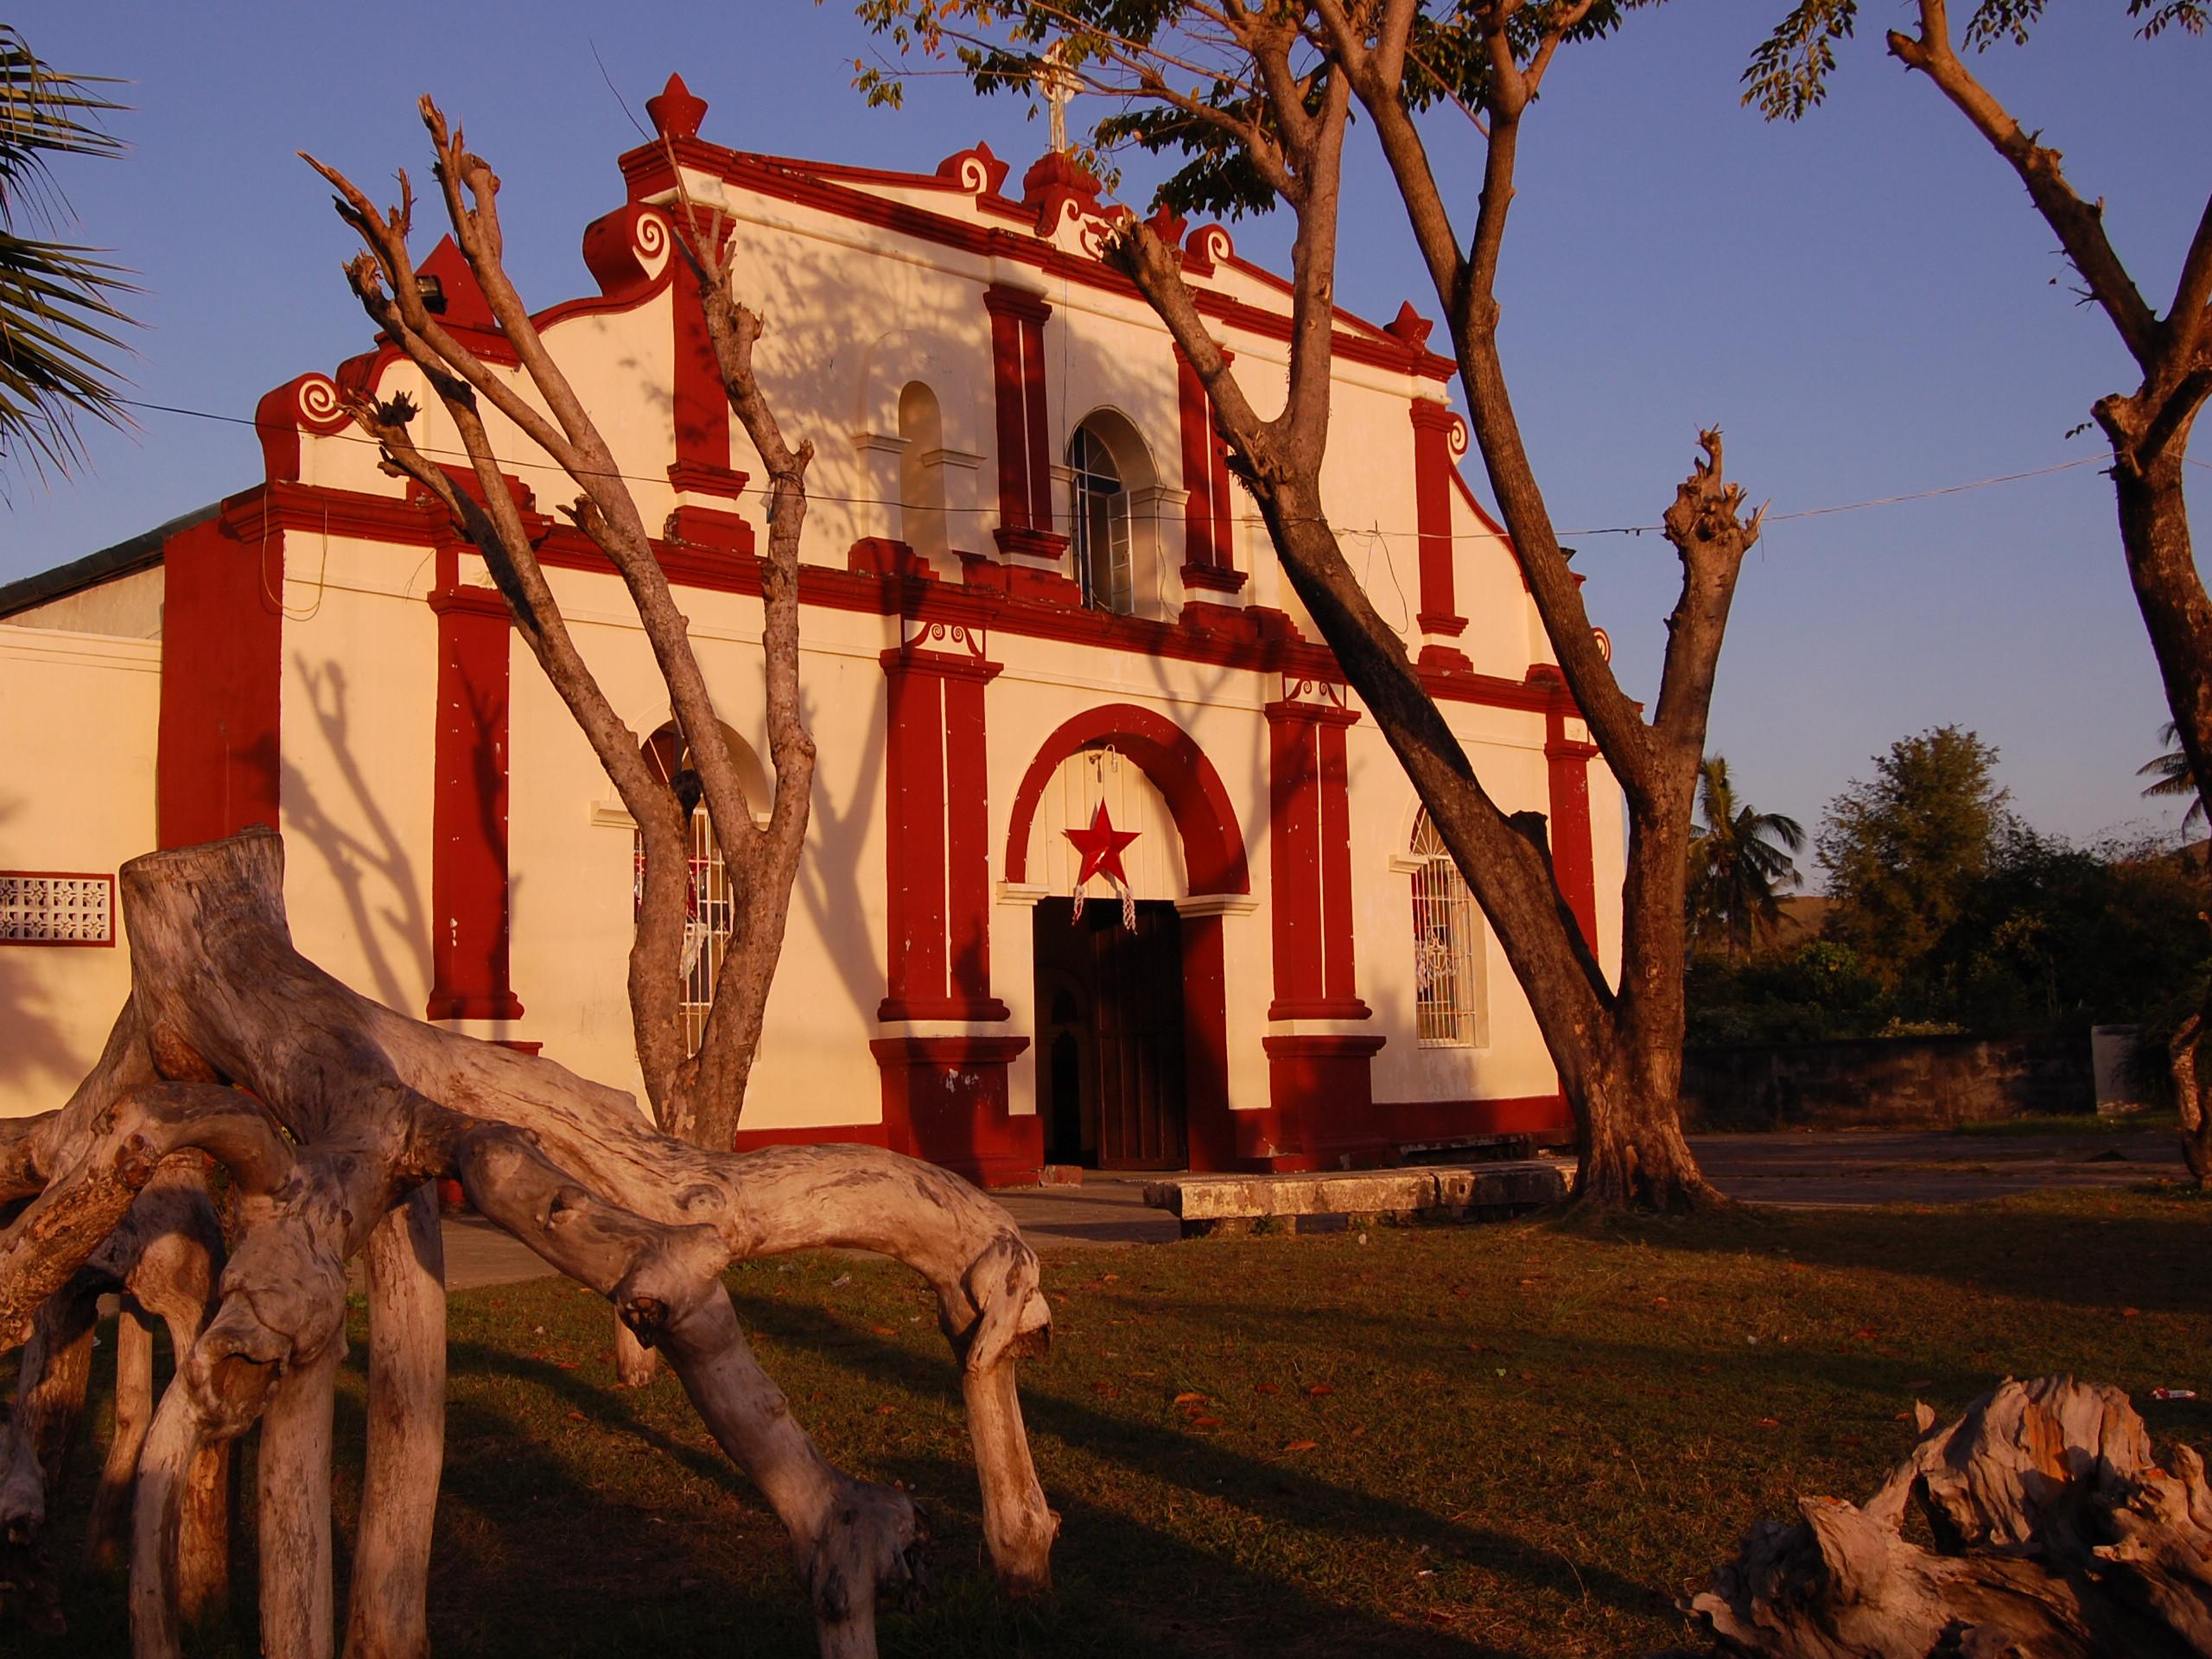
(1903, 852)
(1739, 861)
(1254, 102)
(57, 299)
(2172, 775)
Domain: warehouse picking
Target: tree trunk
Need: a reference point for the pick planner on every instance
(2059, 1534)
(386, 1614)
(1633, 1153)
(293, 1531)
(2192, 1086)
(107, 1544)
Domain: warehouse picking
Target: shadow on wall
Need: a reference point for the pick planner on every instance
(829, 874)
(36, 1050)
(375, 879)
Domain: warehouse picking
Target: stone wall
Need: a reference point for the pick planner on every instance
(1884, 1082)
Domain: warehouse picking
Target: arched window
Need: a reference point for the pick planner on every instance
(710, 907)
(1451, 997)
(921, 472)
(1104, 536)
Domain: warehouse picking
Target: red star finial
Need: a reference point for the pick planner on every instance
(1101, 846)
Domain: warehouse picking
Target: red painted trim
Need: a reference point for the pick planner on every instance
(1309, 849)
(1315, 1084)
(650, 170)
(1213, 846)
(1037, 429)
(1006, 404)
(1213, 578)
(697, 478)
(1567, 767)
(308, 402)
(1338, 976)
(219, 755)
(701, 405)
(968, 839)
(1433, 426)
(1197, 439)
(469, 960)
(1210, 1133)
(1392, 1124)
(1293, 858)
(944, 1099)
(937, 838)
(914, 862)
(1260, 641)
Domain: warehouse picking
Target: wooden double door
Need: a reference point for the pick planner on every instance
(1109, 1016)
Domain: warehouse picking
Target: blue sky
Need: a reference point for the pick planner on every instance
(1864, 303)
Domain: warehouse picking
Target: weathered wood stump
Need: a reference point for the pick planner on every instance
(2059, 1533)
(330, 1114)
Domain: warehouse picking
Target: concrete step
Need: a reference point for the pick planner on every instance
(1231, 1204)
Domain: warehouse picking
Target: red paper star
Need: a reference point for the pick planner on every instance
(1101, 846)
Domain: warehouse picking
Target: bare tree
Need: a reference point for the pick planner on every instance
(330, 1114)
(2149, 428)
(1276, 87)
(696, 1095)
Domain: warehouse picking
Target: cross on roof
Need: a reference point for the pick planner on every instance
(1059, 86)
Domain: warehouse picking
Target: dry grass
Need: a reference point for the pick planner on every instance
(1509, 1440)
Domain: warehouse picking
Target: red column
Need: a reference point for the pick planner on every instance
(1023, 424)
(938, 838)
(944, 1096)
(1309, 839)
(1208, 560)
(1008, 400)
(1433, 426)
(1568, 764)
(468, 809)
(217, 757)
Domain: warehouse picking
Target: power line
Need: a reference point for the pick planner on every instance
(549, 465)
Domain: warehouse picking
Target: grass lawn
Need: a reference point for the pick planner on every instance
(1503, 1440)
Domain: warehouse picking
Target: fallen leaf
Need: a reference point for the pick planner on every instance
(1266, 1387)
(1770, 1423)
(1299, 1446)
(576, 1416)
(1319, 1389)
(1106, 1389)
(2130, 1312)
(1205, 1423)
(1189, 1397)
(884, 1330)
(1863, 1334)
(886, 1411)
(1924, 1382)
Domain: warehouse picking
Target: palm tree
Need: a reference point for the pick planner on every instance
(1739, 859)
(57, 299)
(2172, 775)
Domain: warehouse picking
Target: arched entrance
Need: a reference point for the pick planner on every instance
(1131, 1015)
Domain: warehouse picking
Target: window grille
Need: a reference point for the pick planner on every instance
(1451, 998)
(710, 904)
(46, 908)
(1105, 535)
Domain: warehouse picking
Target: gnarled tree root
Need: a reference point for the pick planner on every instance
(2059, 1534)
(351, 1110)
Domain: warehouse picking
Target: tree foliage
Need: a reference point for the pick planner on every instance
(1903, 850)
(1740, 865)
(2172, 775)
(58, 300)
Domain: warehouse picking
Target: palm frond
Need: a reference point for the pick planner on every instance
(57, 298)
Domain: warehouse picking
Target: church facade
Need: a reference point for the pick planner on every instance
(1106, 865)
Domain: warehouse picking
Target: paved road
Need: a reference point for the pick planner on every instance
(1924, 1166)
(1846, 1170)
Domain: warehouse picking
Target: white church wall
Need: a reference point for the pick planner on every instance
(78, 718)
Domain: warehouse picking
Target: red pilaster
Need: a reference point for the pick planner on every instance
(1209, 543)
(218, 759)
(1023, 427)
(1433, 426)
(938, 838)
(1310, 860)
(1211, 1125)
(944, 1099)
(1567, 763)
(702, 407)
(469, 809)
